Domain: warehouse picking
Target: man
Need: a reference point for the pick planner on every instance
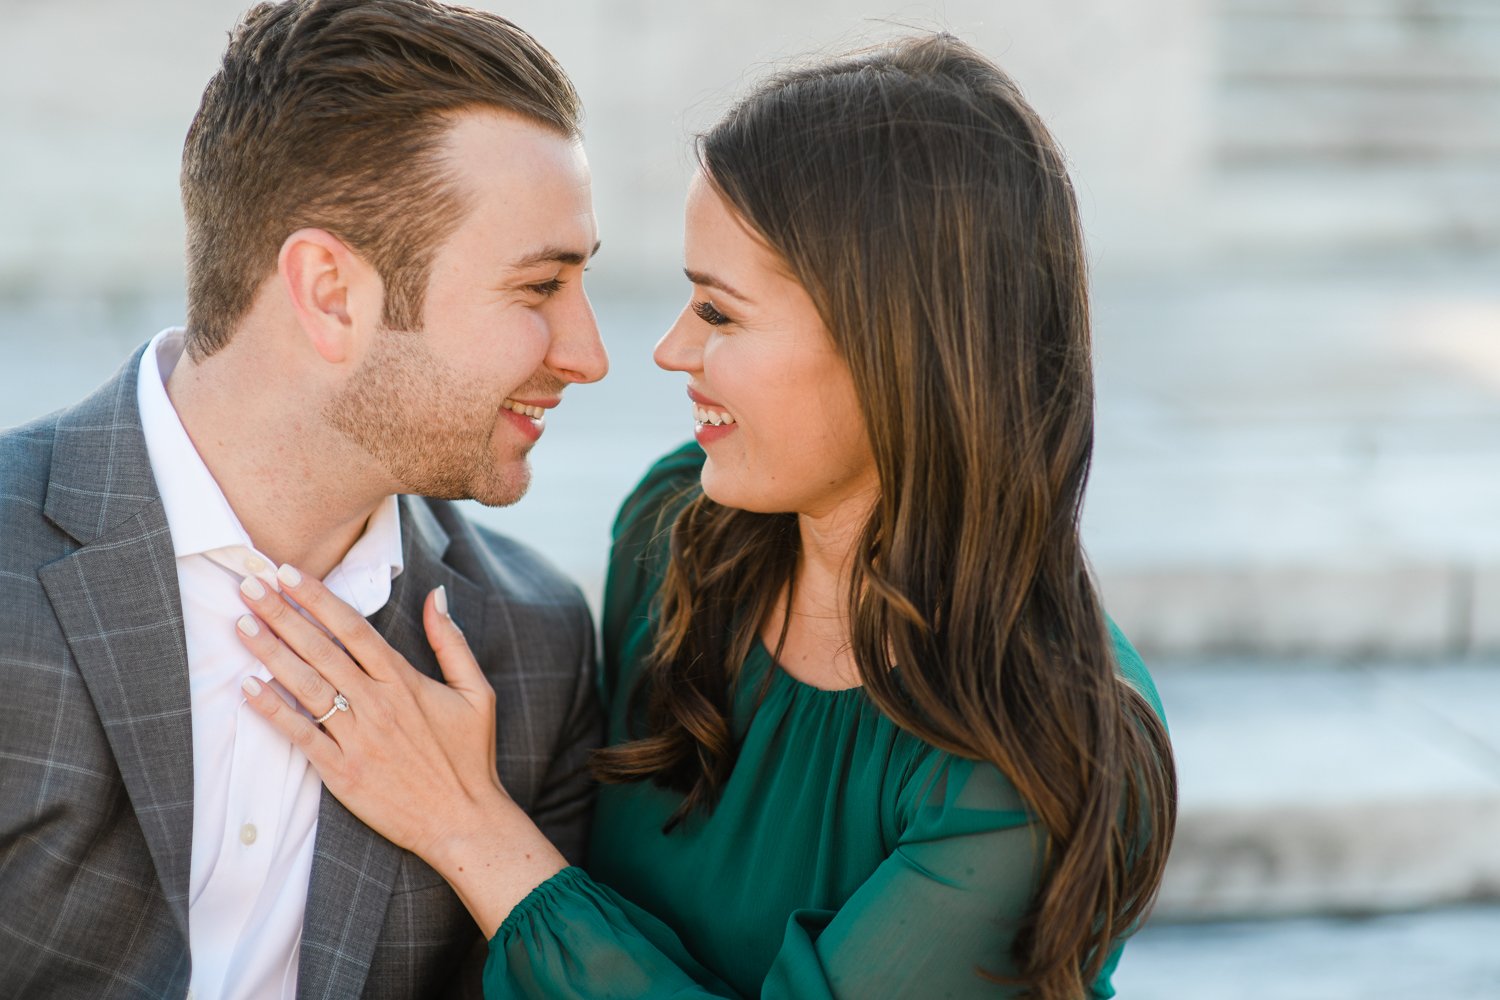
(388, 217)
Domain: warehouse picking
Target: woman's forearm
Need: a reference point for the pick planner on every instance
(493, 857)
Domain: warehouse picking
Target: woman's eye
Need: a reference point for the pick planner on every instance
(708, 314)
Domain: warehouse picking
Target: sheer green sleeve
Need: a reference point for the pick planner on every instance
(572, 937)
(942, 908)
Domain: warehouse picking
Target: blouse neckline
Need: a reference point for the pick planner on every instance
(761, 656)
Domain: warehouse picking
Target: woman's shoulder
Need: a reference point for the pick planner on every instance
(1132, 669)
(947, 791)
(642, 530)
(641, 545)
(670, 483)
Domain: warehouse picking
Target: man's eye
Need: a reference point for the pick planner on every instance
(546, 288)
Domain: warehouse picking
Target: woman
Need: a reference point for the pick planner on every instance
(871, 733)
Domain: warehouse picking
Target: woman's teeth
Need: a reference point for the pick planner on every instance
(534, 412)
(706, 416)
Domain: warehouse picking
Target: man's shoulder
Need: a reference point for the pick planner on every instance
(25, 467)
(28, 538)
(91, 451)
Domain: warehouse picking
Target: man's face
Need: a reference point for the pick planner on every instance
(452, 411)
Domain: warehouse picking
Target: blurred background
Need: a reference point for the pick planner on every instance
(1293, 209)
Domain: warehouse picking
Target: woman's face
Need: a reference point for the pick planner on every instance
(773, 401)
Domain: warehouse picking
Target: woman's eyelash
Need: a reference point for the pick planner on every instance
(708, 314)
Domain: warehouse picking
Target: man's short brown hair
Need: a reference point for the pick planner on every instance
(329, 114)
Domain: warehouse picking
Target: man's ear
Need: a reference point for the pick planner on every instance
(334, 293)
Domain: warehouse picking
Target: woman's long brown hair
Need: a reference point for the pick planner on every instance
(927, 211)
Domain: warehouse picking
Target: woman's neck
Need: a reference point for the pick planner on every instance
(814, 641)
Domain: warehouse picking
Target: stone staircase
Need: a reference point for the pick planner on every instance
(1295, 514)
(1357, 126)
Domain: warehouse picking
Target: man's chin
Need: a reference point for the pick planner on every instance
(489, 486)
(501, 489)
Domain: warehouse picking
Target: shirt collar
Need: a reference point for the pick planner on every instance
(197, 512)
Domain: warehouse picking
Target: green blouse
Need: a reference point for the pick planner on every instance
(846, 857)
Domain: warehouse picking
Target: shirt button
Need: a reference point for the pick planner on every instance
(247, 834)
(255, 564)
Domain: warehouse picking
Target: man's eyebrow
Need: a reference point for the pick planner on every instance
(555, 255)
(709, 281)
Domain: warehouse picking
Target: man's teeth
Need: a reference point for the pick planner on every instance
(534, 412)
(706, 416)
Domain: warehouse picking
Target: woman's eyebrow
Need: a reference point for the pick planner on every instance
(709, 281)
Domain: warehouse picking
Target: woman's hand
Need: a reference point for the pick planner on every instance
(412, 757)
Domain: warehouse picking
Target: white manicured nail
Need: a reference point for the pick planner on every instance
(248, 625)
(250, 686)
(288, 575)
(252, 588)
(440, 601)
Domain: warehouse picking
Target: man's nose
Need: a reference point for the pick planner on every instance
(578, 353)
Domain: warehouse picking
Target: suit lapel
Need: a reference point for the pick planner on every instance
(117, 601)
(354, 869)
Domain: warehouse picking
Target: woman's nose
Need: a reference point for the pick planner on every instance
(681, 348)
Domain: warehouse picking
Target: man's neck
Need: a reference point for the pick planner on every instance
(297, 486)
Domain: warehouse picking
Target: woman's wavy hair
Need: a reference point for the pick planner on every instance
(925, 208)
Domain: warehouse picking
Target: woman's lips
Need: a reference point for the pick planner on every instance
(712, 421)
(703, 400)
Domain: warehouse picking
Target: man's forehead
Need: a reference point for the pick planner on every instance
(524, 188)
(498, 135)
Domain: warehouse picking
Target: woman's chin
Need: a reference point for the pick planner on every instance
(727, 488)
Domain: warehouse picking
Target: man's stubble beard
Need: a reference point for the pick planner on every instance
(428, 430)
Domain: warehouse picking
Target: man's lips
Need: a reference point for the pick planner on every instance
(534, 408)
(527, 415)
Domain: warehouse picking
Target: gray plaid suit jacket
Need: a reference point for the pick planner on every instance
(96, 770)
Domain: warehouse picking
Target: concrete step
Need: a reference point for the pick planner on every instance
(1291, 53)
(1358, 126)
(1382, 44)
(1272, 208)
(1312, 790)
(1347, 124)
(1432, 955)
(1419, 12)
(1300, 465)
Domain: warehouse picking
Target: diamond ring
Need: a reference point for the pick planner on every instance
(340, 704)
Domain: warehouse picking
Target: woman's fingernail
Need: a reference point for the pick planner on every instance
(252, 588)
(440, 601)
(250, 686)
(248, 625)
(288, 575)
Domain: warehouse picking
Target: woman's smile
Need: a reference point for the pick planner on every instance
(712, 421)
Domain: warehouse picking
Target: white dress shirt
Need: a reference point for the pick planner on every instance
(255, 797)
